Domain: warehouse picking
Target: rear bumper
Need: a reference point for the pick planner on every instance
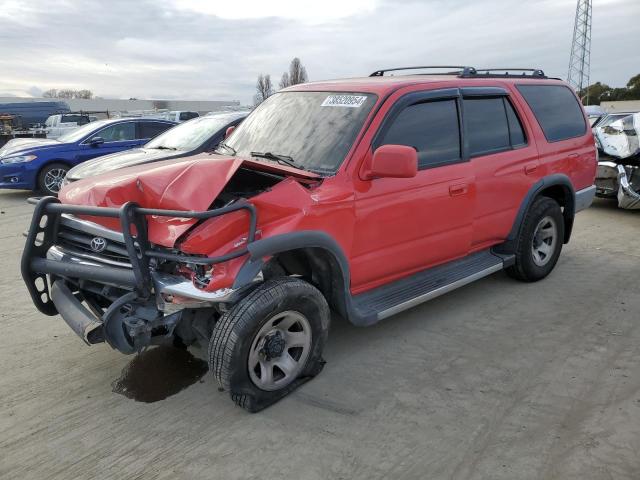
(584, 198)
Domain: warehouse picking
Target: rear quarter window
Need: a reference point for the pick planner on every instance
(556, 109)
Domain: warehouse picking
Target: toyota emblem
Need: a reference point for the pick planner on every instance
(98, 244)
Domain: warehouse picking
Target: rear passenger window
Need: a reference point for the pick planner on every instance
(491, 125)
(431, 128)
(486, 125)
(556, 109)
(153, 129)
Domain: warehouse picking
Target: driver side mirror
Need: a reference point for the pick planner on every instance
(393, 161)
(96, 141)
(229, 131)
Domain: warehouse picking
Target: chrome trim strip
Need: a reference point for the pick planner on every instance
(69, 255)
(90, 228)
(175, 285)
(584, 198)
(439, 291)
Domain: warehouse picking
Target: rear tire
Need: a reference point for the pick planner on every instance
(540, 241)
(270, 342)
(51, 177)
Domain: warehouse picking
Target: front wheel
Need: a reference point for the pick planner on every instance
(270, 342)
(540, 241)
(51, 178)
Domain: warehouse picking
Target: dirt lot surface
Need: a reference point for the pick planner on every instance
(498, 380)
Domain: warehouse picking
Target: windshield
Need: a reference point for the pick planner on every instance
(192, 134)
(80, 133)
(312, 130)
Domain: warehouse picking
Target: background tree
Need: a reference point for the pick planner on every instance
(86, 94)
(594, 94)
(601, 92)
(264, 89)
(68, 93)
(297, 72)
(284, 81)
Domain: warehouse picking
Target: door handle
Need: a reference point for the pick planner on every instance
(458, 189)
(530, 168)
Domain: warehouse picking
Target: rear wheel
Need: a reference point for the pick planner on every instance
(540, 241)
(51, 178)
(270, 342)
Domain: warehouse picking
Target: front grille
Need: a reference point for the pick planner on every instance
(76, 236)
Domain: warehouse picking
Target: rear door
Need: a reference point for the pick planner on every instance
(504, 161)
(408, 224)
(566, 145)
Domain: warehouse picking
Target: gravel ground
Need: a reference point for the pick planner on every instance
(498, 380)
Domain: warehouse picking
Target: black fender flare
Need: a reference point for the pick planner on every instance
(557, 179)
(269, 246)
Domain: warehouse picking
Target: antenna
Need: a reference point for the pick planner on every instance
(579, 61)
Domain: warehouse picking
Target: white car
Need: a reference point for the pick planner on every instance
(181, 116)
(61, 123)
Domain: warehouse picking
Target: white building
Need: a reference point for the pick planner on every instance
(119, 105)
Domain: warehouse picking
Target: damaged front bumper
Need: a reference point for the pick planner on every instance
(613, 180)
(66, 281)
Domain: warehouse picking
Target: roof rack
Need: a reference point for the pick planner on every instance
(471, 72)
(459, 70)
(504, 72)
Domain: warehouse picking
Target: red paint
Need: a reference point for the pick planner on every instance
(387, 227)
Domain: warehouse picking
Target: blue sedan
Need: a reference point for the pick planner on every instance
(41, 164)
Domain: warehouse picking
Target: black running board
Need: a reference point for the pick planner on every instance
(377, 304)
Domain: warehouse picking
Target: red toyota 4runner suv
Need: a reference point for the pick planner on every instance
(363, 197)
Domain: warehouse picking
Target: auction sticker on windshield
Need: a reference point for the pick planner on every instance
(353, 101)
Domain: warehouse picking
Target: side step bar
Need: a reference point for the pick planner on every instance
(420, 287)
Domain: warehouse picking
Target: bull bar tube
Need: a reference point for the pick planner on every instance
(43, 234)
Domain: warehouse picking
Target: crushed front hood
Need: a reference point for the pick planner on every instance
(178, 184)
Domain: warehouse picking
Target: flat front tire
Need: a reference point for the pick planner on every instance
(270, 342)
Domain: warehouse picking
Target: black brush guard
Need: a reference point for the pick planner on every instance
(43, 233)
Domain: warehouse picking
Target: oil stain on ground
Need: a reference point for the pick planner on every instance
(158, 373)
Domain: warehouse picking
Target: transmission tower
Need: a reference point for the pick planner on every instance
(579, 62)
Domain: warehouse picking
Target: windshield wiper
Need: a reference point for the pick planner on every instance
(162, 147)
(283, 159)
(228, 147)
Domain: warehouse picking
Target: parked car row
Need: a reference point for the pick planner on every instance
(43, 164)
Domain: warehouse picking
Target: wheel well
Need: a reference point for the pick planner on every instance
(52, 162)
(317, 266)
(564, 196)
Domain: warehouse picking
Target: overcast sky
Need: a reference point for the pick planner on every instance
(214, 50)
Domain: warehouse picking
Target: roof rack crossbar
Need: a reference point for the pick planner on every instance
(506, 72)
(460, 69)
